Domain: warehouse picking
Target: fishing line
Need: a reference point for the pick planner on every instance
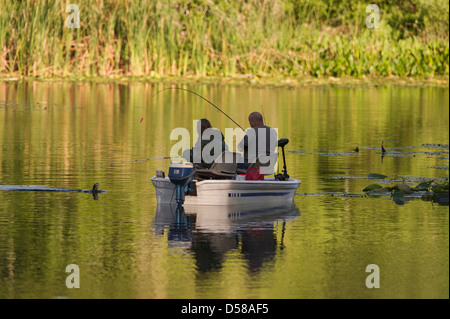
(264, 117)
(168, 157)
(218, 108)
(136, 160)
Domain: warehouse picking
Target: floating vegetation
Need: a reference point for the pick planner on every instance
(441, 146)
(347, 177)
(400, 193)
(402, 147)
(401, 188)
(369, 148)
(297, 152)
(327, 153)
(370, 176)
(424, 186)
(397, 154)
(396, 178)
(333, 194)
(437, 153)
(376, 176)
(439, 167)
(335, 154)
(426, 190)
(372, 187)
(433, 150)
(411, 178)
(349, 195)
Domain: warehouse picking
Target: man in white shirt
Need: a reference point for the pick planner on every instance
(258, 140)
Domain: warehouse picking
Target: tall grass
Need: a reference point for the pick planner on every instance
(264, 38)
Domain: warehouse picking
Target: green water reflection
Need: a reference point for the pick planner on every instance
(59, 133)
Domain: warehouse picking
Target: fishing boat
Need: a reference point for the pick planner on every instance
(223, 184)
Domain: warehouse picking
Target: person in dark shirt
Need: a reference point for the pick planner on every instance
(210, 144)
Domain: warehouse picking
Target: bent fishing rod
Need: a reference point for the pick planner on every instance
(211, 103)
(169, 157)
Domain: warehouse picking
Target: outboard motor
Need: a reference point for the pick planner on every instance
(181, 174)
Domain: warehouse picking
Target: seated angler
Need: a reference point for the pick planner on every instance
(258, 140)
(210, 144)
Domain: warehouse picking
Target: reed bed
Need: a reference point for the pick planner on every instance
(188, 38)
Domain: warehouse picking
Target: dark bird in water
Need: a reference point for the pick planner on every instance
(357, 149)
(95, 191)
(382, 148)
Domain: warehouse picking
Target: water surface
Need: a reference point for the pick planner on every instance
(61, 134)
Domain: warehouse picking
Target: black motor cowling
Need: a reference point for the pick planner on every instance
(181, 174)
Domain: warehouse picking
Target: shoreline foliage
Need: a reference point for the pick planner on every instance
(202, 38)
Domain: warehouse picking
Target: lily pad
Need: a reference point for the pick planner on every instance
(399, 201)
(372, 187)
(440, 188)
(377, 176)
(397, 195)
(381, 190)
(378, 192)
(441, 198)
(423, 186)
(404, 188)
(428, 197)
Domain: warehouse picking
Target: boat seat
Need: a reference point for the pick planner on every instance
(224, 167)
(267, 164)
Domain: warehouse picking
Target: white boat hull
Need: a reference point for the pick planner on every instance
(229, 192)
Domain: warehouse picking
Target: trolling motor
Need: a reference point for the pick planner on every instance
(181, 174)
(283, 176)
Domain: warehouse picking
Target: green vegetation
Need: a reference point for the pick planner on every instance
(212, 38)
(427, 191)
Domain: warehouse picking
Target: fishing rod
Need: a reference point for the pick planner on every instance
(218, 108)
(168, 157)
(136, 160)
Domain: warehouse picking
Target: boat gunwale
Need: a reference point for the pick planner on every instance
(292, 181)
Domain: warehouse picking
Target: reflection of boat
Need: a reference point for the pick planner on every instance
(220, 219)
(231, 218)
(210, 232)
